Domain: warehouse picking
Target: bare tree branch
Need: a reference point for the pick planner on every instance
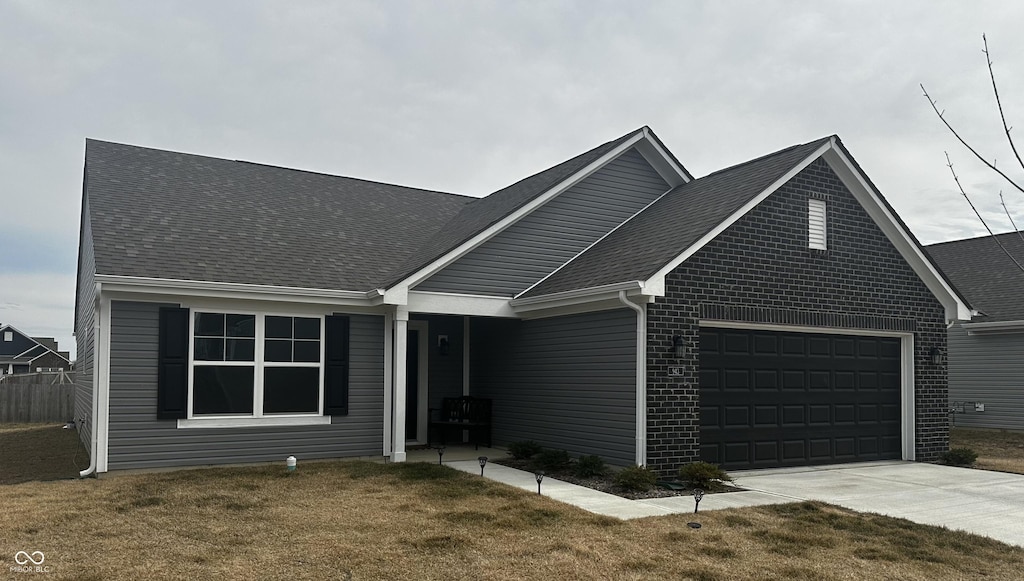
(978, 214)
(1007, 210)
(990, 165)
(999, 103)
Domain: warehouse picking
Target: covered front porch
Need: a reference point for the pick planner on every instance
(567, 382)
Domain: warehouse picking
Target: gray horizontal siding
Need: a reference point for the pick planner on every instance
(988, 369)
(549, 236)
(84, 330)
(566, 382)
(139, 440)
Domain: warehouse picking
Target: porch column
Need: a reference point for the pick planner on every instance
(399, 374)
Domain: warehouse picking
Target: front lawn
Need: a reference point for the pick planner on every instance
(362, 520)
(1000, 450)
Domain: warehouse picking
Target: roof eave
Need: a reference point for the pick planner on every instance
(164, 286)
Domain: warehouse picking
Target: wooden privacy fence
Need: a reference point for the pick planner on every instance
(32, 398)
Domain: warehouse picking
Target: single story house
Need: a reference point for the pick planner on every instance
(775, 313)
(986, 354)
(20, 353)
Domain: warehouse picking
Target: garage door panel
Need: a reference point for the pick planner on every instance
(766, 415)
(766, 379)
(819, 414)
(820, 449)
(789, 399)
(793, 450)
(737, 417)
(736, 453)
(793, 415)
(845, 413)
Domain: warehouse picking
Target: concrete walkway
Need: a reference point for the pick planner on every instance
(977, 501)
(610, 504)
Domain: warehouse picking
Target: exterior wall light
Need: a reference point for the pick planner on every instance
(678, 346)
(442, 345)
(936, 355)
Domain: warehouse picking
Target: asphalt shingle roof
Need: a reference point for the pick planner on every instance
(172, 215)
(665, 229)
(991, 282)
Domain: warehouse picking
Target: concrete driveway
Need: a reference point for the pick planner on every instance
(978, 501)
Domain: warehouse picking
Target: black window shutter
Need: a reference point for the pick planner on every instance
(336, 366)
(172, 375)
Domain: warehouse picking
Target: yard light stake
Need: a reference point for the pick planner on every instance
(540, 477)
(440, 452)
(697, 495)
(483, 462)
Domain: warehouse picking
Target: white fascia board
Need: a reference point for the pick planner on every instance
(900, 238)
(657, 281)
(464, 248)
(661, 160)
(994, 327)
(458, 304)
(228, 290)
(573, 296)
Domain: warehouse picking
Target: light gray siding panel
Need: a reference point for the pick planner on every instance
(566, 382)
(988, 369)
(139, 440)
(84, 330)
(551, 235)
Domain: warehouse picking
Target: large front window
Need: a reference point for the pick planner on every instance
(254, 365)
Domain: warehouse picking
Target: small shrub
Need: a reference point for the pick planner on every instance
(703, 475)
(551, 460)
(636, 479)
(524, 450)
(589, 466)
(959, 457)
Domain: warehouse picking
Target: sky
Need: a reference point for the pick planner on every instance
(468, 97)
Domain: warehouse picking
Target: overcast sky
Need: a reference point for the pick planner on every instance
(468, 97)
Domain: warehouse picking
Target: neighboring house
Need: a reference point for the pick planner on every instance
(20, 353)
(776, 313)
(986, 354)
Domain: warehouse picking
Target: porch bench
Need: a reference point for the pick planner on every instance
(462, 413)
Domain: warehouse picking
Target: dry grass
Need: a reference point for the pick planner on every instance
(39, 452)
(1000, 450)
(361, 520)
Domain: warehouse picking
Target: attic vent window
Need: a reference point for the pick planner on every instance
(8, 336)
(816, 225)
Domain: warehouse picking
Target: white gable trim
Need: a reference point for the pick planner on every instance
(660, 159)
(894, 231)
(399, 293)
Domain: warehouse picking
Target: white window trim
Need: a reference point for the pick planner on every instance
(817, 210)
(258, 418)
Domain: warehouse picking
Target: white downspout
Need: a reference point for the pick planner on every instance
(93, 435)
(641, 378)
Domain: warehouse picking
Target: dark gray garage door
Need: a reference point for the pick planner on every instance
(771, 399)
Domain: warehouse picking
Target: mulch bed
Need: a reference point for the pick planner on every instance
(606, 482)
